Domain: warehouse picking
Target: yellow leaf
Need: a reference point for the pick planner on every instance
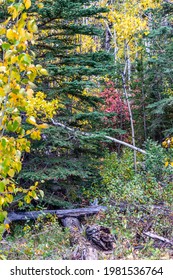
(31, 120)
(7, 227)
(32, 27)
(171, 163)
(2, 199)
(43, 72)
(42, 126)
(27, 3)
(18, 166)
(40, 5)
(11, 172)
(13, 11)
(35, 135)
(11, 34)
(166, 163)
(34, 195)
(28, 132)
(9, 198)
(27, 199)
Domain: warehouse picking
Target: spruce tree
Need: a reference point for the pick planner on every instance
(152, 77)
(158, 73)
(65, 162)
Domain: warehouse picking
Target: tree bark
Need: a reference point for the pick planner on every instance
(129, 109)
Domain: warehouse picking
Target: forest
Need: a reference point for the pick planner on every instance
(86, 129)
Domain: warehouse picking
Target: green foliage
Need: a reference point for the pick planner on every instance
(155, 159)
(45, 240)
(157, 73)
(127, 223)
(18, 99)
(60, 157)
(151, 184)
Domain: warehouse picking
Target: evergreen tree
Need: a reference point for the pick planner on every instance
(62, 161)
(154, 78)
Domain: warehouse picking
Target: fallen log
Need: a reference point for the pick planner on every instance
(83, 250)
(79, 212)
(96, 238)
(33, 215)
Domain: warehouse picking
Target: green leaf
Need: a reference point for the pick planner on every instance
(6, 46)
(3, 215)
(20, 204)
(15, 125)
(2, 228)
(2, 186)
(3, 142)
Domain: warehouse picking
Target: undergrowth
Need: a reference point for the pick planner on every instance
(137, 202)
(43, 240)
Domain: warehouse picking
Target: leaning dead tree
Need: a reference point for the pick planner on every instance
(87, 134)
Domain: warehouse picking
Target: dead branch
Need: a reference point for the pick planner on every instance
(104, 136)
(155, 236)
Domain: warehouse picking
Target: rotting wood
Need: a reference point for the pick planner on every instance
(101, 236)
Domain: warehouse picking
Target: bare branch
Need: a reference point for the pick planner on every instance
(104, 136)
(155, 236)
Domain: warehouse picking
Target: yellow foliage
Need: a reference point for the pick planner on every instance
(27, 3)
(37, 106)
(87, 44)
(168, 142)
(17, 97)
(127, 21)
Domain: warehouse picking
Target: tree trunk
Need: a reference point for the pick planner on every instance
(83, 250)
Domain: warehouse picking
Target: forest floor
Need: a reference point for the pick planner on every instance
(140, 233)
